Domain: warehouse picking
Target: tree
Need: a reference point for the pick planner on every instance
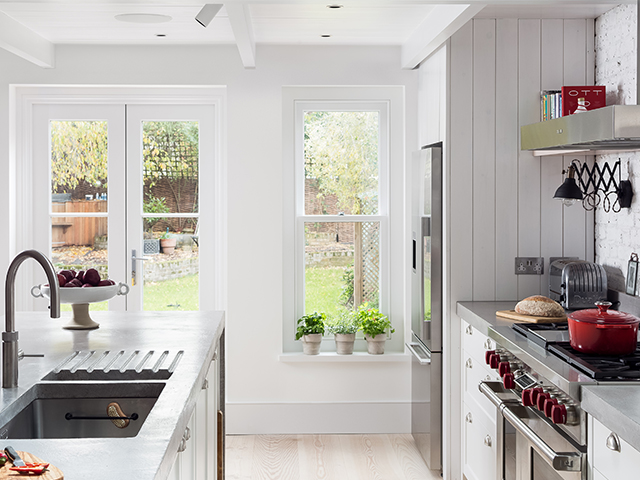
(78, 154)
(341, 153)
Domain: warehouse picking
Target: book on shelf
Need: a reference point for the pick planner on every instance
(595, 96)
(550, 104)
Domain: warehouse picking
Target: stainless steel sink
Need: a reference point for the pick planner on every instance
(79, 410)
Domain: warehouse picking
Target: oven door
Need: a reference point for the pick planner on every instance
(529, 447)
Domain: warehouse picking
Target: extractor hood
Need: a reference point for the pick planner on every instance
(613, 128)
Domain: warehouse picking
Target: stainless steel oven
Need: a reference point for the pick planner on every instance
(529, 446)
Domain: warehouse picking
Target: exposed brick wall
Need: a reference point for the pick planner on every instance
(618, 234)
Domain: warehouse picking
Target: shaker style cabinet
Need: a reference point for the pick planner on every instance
(479, 422)
(612, 458)
(201, 451)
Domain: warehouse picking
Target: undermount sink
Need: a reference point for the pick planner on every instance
(79, 410)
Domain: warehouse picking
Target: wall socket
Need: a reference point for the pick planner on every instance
(529, 265)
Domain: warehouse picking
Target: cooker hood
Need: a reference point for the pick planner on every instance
(612, 128)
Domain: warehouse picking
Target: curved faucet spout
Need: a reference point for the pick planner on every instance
(10, 335)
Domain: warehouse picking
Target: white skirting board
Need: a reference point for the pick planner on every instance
(324, 418)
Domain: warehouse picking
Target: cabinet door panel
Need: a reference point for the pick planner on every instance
(479, 456)
(476, 343)
(613, 464)
(474, 373)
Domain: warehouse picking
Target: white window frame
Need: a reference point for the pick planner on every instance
(388, 102)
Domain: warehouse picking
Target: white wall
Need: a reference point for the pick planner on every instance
(500, 199)
(617, 233)
(264, 394)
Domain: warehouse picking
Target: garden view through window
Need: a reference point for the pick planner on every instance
(341, 210)
(79, 206)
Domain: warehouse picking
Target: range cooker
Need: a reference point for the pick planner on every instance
(542, 432)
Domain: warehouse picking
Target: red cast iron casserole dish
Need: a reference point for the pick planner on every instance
(602, 331)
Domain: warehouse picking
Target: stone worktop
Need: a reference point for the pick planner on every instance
(151, 453)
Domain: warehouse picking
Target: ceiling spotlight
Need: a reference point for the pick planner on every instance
(335, 6)
(161, 34)
(325, 36)
(206, 14)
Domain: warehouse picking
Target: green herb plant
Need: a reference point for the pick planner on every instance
(372, 322)
(346, 323)
(310, 324)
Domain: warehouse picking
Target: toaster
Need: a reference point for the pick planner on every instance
(577, 284)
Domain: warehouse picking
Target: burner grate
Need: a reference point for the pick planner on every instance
(599, 367)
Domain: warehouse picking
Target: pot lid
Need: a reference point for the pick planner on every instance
(602, 315)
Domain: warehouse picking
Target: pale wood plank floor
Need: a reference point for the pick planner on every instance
(324, 457)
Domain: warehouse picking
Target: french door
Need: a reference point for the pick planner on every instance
(110, 180)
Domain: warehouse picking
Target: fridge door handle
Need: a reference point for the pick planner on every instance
(421, 353)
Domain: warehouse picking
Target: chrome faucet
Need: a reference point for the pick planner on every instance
(10, 335)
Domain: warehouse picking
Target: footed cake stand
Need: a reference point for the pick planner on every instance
(80, 298)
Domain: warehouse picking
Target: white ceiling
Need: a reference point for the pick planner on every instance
(291, 22)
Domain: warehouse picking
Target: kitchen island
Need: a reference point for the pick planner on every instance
(152, 452)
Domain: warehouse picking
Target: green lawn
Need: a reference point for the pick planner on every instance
(323, 287)
(180, 294)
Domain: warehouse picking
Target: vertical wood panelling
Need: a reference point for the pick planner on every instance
(461, 237)
(576, 218)
(507, 149)
(484, 165)
(551, 74)
(590, 233)
(528, 165)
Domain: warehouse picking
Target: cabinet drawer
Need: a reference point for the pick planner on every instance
(474, 373)
(476, 343)
(613, 464)
(479, 456)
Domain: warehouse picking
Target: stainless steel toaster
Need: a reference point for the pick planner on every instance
(577, 283)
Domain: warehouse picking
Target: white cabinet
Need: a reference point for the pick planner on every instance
(612, 458)
(479, 422)
(200, 456)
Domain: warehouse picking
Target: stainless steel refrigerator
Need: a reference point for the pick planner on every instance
(426, 303)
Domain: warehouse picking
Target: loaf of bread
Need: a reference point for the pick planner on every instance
(540, 306)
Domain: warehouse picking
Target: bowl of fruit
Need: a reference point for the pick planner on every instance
(80, 289)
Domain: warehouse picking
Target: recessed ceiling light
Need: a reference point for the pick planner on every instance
(143, 18)
(325, 36)
(335, 6)
(161, 34)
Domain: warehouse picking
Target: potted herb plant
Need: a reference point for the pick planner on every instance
(310, 330)
(374, 325)
(344, 330)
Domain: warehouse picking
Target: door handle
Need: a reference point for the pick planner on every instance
(134, 259)
(424, 357)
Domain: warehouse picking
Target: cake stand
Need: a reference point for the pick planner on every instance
(80, 298)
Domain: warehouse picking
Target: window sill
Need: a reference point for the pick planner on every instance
(330, 357)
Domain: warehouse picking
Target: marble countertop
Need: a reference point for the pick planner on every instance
(151, 453)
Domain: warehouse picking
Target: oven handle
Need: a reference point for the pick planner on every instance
(561, 461)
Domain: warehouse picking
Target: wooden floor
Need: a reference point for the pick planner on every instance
(324, 457)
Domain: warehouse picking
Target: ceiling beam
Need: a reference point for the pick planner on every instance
(442, 22)
(21, 41)
(240, 20)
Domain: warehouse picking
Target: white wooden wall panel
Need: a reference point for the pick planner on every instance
(551, 75)
(507, 149)
(590, 79)
(484, 162)
(529, 32)
(461, 236)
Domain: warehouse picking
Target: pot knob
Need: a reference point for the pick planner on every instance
(526, 397)
(487, 356)
(508, 381)
(533, 395)
(503, 368)
(542, 397)
(549, 403)
(559, 414)
(494, 360)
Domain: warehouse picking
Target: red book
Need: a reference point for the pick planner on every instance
(594, 96)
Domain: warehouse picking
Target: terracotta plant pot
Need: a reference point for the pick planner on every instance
(344, 343)
(168, 245)
(375, 345)
(311, 343)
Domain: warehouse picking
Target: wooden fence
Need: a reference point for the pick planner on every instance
(78, 230)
